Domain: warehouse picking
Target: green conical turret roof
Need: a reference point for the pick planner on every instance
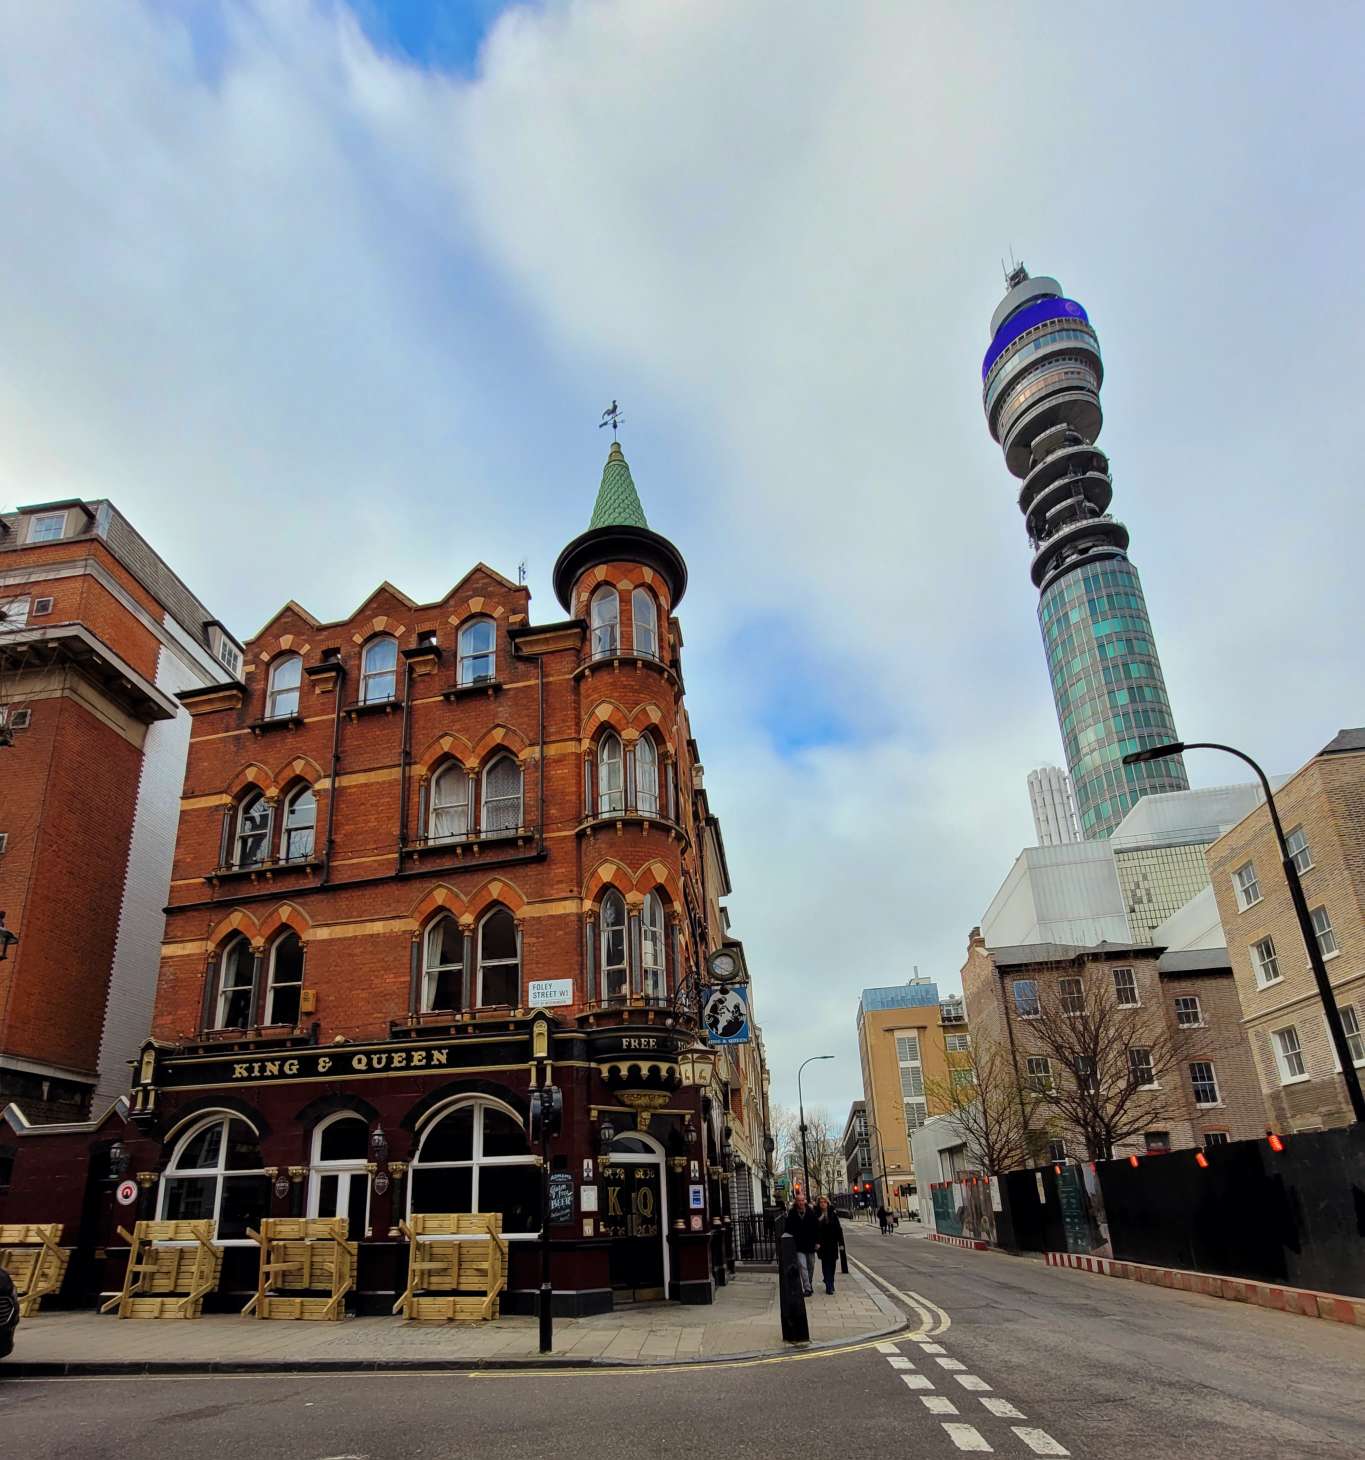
(618, 503)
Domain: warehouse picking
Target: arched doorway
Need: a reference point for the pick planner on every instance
(635, 1217)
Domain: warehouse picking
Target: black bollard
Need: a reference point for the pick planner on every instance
(795, 1327)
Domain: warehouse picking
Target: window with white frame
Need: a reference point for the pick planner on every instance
(1289, 1054)
(1125, 988)
(604, 615)
(477, 652)
(286, 980)
(908, 1058)
(1267, 962)
(338, 1178)
(1355, 1037)
(251, 842)
(916, 1113)
(653, 949)
(646, 776)
(1072, 991)
(1085, 1073)
(475, 1158)
(611, 795)
(645, 623)
(282, 698)
(300, 822)
(442, 964)
(962, 1079)
(1204, 1082)
(957, 1043)
(1026, 1004)
(225, 651)
(1056, 1150)
(379, 670)
(1246, 886)
(615, 971)
(1188, 1014)
(1038, 1068)
(236, 986)
(1140, 1066)
(1297, 843)
(1322, 931)
(499, 960)
(216, 1173)
(502, 795)
(46, 527)
(448, 814)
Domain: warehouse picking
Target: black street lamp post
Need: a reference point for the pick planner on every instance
(801, 1115)
(1291, 876)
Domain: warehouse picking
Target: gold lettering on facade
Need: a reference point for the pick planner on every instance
(272, 1067)
(291, 1067)
(419, 1056)
(399, 1059)
(239, 1072)
(613, 1201)
(359, 1062)
(324, 1064)
(644, 1201)
(440, 1056)
(378, 1061)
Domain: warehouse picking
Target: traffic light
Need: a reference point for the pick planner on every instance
(547, 1113)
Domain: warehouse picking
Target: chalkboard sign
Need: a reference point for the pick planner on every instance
(561, 1196)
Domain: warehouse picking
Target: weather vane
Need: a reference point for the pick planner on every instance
(611, 417)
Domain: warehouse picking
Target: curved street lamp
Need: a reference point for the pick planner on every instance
(1291, 876)
(801, 1115)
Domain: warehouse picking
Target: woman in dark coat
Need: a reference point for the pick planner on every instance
(829, 1240)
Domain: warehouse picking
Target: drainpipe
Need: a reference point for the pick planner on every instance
(404, 756)
(336, 766)
(540, 776)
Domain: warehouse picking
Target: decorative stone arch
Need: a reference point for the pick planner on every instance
(380, 624)
(438, 899)
(607, 873)
(285, 644)
(299, 770)
(253, 775)
(501, 739)
(648, 717)
(449, 746)
(625, 578)
(659, 876)
(237, 921)
(285, 916)
(206, 1107)
(604, 712)
(476, 607)
(496, 892)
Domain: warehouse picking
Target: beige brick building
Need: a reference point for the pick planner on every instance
(1185, 1000)
(1322, 808)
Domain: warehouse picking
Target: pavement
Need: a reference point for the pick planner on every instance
(744, 1320)
(1004, 1356)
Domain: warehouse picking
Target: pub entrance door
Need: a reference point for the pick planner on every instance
(634, 1216)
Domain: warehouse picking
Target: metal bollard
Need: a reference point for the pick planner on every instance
(795, 1326)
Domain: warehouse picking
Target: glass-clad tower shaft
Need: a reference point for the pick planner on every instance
(1041, 390)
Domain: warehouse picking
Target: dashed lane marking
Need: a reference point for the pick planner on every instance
(887, 1348)
(900, 1363)
(1000, 1408)
(931, 1348)
(938, 1404)
(970, 1381)
(966, 1437)
(1039, 1441)
(917, 1381)
(953, 1365)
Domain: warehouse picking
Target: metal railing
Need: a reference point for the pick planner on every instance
(755, 1237)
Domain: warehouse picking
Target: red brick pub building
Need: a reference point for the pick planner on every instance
(429, 857)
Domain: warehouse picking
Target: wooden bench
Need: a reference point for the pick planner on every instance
(307, 1268)
(171, 1266)
(457, 1266)
(32, 1254)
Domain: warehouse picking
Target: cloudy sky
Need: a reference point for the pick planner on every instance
(322, 293)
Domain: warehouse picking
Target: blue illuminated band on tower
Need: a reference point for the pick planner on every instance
(1041, 381)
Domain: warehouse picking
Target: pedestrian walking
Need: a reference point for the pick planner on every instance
(802, 1226)
(829, 1239)
(883, 1220)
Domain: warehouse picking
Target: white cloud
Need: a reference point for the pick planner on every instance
(363, 316)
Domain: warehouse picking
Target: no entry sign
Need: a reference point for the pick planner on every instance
(126, 1193)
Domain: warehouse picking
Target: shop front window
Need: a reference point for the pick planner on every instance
(338, 1181)
(216, 1174)
(475, 1158)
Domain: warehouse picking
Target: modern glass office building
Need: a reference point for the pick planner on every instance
(1040, 385)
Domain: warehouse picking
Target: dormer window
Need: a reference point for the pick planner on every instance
(225, 651)
(46, 527)
(379, 670)
(286, 674)
(477, 658)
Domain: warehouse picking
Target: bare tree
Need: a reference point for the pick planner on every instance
(825, 1154)
(1105, 1062)
(13, 655)
(991, 1110)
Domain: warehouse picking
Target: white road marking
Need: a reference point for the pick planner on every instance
(917, 1381)
(1039, 1441)
(955, 1365)
(938, 1404)
(970, 1381)
(900, 1363)
(966, 1437)
(931, 1348)
(887, 1348)
(933, 1320)
(1000, 1408)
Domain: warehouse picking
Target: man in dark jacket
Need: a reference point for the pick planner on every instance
(802, 1226)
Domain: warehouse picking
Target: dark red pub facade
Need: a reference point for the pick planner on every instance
(429, 858)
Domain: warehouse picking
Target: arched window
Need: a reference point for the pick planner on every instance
(605, 617)
(644, 618)
(286, 980)
(475, 1158)
(611, 796)
(300, 819)
(216, 1172)
(653, 955)
(379, 670)
(646, 776)
(499, 960)
(442, 964)
(449, 813)
(251, 843)
(338, 1181)
(502, 795)
(615, 974)
(286, 674)
(236, 986)
(477, 657)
